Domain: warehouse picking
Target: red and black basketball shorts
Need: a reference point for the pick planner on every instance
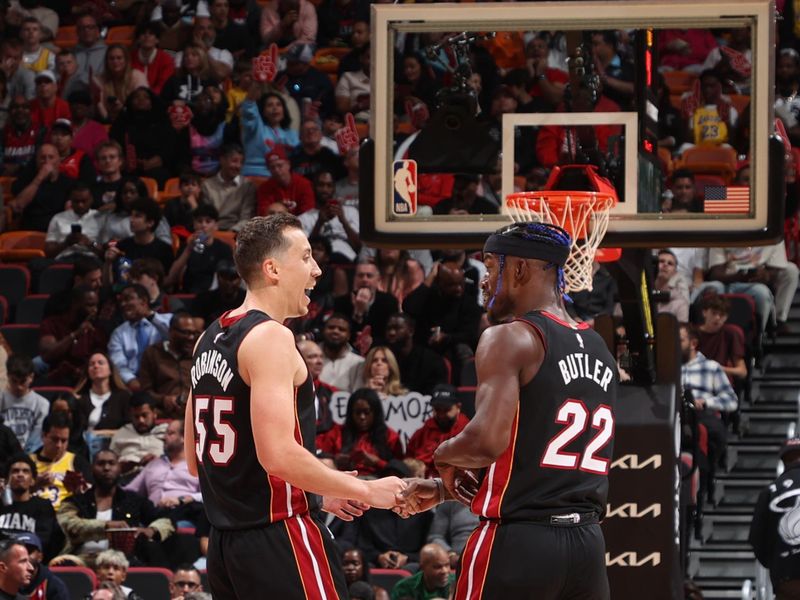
(533, 561)
(294, 559)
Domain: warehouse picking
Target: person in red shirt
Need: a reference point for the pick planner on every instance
(47, 107)
(147, 57)
(291, 189)
(446, 422)
(75, 164)
(364, 443)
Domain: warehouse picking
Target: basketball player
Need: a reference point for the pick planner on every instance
(251, 432)
(543, 432)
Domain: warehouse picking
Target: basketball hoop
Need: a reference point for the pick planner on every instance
(583, 214)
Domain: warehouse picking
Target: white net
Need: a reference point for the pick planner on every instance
(584, 215)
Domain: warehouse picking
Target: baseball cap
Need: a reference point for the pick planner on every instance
(29, 539)
(277, 152)
(226, 267)
(790, 445)
(62, 125)
(46, 74)
(444, 395)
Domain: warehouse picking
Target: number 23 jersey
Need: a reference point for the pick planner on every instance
(562, 436)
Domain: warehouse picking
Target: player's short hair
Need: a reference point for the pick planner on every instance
(177, 316)
(259, 239)
(205, 210)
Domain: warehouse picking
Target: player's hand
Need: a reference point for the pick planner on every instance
(457, 484)
(346, 510)
(383, 493)
(420, 495)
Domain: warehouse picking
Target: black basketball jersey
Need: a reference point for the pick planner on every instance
(561, 441)
(237, 492)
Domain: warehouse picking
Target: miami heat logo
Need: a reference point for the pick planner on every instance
(788, 503)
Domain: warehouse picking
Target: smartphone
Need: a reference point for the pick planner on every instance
(77, 229)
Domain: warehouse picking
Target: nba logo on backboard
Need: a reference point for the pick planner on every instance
(405, 187)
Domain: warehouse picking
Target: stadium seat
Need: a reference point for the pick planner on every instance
(3, 310)
(23, 339)
(387, 578)
(150, 582)
(122, 35)
(51, 392)
(711, 160)
(175, 302)
(55, 278)
(679, 82)
(229, 237)
(152, 187)
(21, 246)
(66, 36)
(172, 189)
(30, 310)
(80, 581)
(257, 180)
(740, 102)
(16, 283)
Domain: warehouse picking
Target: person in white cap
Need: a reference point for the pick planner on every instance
(775, 528)
(46, 106)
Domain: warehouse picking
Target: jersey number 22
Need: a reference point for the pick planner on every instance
(575, 416)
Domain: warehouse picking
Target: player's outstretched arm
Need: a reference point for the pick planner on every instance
(269, 360)
(504, 354)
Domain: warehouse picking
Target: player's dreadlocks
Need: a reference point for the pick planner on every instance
(542, 241)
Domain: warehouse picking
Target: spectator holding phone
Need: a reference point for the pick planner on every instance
(61, 472)
(77, 229)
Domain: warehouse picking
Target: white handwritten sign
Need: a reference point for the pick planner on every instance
(405, 414)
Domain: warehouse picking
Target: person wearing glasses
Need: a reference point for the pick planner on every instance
(91, 49)
(186, 580)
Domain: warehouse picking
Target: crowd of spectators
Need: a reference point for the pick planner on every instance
(91, 128)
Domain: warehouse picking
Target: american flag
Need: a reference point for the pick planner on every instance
(722, 199)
